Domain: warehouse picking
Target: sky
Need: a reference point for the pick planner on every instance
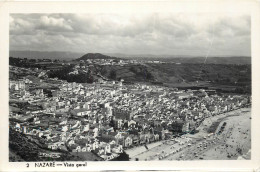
(142, 33)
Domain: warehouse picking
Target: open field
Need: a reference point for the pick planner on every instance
(231, 140)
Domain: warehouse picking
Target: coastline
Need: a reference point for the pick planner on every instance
(216, 149)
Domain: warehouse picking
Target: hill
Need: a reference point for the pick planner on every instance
(217, 76)
(95, 56)
(180, 73)
(223, 77)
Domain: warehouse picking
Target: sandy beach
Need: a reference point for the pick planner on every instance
(231, 140)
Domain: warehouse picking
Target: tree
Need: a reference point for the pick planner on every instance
(112, 123)
(122, 157)
(112, 74)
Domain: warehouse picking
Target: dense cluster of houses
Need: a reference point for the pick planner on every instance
(106, 118)
(108, 62)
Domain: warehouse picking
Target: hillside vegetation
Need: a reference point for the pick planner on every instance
(24, 149)
(169, 74)
(236, 77)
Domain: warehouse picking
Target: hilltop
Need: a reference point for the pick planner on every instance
(95, 56)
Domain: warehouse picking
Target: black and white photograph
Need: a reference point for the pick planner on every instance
(134, 87)
(147, 86)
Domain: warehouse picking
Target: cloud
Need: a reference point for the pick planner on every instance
(232, 27)
(19, 26)
(142, 33)
(51, 23)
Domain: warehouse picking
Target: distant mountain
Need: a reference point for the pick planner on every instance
(45, 54)
(95, 56)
